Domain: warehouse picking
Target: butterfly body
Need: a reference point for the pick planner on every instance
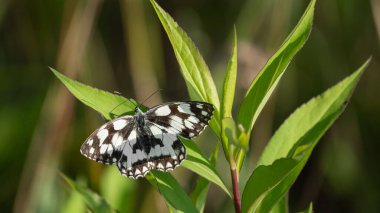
(148, 140)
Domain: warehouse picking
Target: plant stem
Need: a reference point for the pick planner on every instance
(235, 185)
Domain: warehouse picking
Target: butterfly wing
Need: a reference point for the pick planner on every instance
(187, 119)
(105, 144)
(153, 148)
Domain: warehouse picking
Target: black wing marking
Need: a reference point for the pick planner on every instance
(187, 119)
(106, 143)
(154, 148)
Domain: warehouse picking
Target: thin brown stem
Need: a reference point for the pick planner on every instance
(235, 185)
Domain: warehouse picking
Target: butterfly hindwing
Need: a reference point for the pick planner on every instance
(153, 148)
(105, 144)
(187, 119)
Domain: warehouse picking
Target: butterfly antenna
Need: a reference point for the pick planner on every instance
(149, 97)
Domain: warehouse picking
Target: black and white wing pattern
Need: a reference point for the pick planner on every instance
(106, 144)
(187, 119)
(145, 141)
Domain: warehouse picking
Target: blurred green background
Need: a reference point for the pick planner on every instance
(120, 46)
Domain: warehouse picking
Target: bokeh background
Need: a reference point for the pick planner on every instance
(120, 46)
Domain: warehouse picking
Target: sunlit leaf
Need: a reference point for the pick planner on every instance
(93, 200)
(108, 104)
(264, 180)
(198, 163)
(323, 109)
(290, 147)
(230, 82)
(268, 78)
(197, 76)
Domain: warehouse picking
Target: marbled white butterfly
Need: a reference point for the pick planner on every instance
(148, 140)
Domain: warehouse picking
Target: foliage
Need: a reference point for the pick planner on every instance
(286, 153)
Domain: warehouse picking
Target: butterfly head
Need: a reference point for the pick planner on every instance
(139, 116)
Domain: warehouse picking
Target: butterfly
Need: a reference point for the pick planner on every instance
(148, 140)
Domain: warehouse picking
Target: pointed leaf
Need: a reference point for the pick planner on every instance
(264, 84)
(290, 147)
(230, 82)
(170, 189)
(197, 75)
(263, 181)
(329, 105)
(105, 103)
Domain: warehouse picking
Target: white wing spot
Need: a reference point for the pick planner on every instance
(163, 111)
(199, 106)
(103, 149)
(160, 166)
(169, 165)
(119, 124)
(110, 149)
(102, 134)
(191, 134)
(92, 150)
(89, 142)
(144, 169)
(188, 124)
(117, 140)
(176, 125)
(176, 119)
(137, 172)
(193, 119)
(204, 113)
(132, 135)
(185, 108)
(155, 130)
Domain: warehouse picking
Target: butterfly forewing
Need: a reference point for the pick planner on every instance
(187, 119)
(145, 141)
(106, 143)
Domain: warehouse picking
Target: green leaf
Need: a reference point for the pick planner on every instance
(263, 181)
(289, 149)
(198, 163)
(93, 200)
(199, 194)
(230, 82)
(170, 189)
(105, 103)
(282, 206)
(193, 67)
(286, 142)
(264, 84)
